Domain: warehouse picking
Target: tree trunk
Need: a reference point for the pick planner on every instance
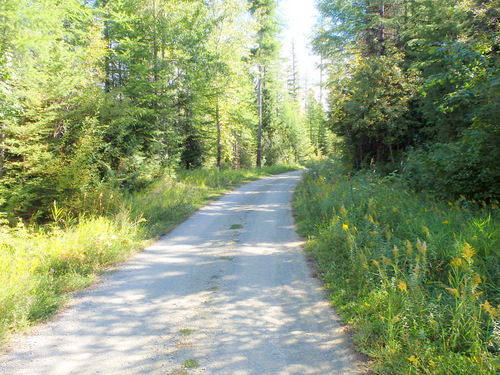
(259, 130)
(219, 146)
(381, 30)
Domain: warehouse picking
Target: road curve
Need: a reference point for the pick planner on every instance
(226, 292)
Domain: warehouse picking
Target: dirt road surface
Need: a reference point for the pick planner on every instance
(227, 292)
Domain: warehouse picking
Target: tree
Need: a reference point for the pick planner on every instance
(371, 105)
(230, 82)
(265, 56)
(50, 77)
(318, 133)
(416, 75)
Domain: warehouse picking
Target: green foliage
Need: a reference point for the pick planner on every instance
(320, 137)
(418, 76)
(49, 80)
(417, 279)
(372, 111)
(468, 168)
(191, 363)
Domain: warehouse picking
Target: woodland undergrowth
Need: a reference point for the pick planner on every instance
(417, 279)
(42, 265)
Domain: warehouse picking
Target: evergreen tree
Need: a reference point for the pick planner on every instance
(49, 80)
(420, 74)
(230, 82)
(265, 56)
(318, 133)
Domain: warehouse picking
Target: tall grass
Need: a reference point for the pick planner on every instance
(41, 265)
(418, 279)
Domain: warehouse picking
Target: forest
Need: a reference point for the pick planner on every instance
(104, 95)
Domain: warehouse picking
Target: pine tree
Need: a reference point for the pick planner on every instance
(50, 74)
(265, 57)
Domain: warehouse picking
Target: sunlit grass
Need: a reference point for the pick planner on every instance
(417, 278)
(40, 265)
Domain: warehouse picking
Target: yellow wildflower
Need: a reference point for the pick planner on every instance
(409, 247)
(457, 262)
(345, 226)
(421, 246)
(486, 306)
(386, 261)
(402, 286)
(413, 359)
(396, 319)
(468, 252)
(477, 279)
(454, 291)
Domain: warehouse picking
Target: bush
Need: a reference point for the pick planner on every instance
(467, 168)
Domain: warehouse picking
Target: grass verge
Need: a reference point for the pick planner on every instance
(417, 279)
(41, 265)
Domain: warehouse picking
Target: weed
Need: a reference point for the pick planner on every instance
(191, 363)
(236, 226)
(187, 331)
(417, 278)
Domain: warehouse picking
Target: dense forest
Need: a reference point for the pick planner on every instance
(414, 88)
(102, 95)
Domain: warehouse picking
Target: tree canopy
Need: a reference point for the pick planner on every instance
(102, 95)
(414, 87)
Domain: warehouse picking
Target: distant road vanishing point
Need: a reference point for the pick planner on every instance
(227, 292)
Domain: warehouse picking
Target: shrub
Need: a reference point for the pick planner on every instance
(468, 167)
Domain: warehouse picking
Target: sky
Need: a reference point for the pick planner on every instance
(300, 17)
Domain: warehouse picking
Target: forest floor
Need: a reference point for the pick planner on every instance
(228, 291)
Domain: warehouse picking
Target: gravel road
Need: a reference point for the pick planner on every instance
(227, 292)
